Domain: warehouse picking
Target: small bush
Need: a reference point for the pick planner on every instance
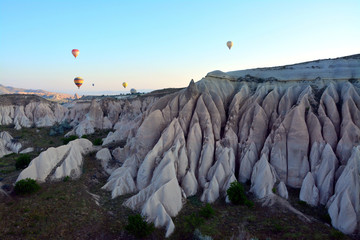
(68, 139)
(22, 161)
(98, 142)
(67, 178)
(138, 226)
(85, 136)
(26, 186)
(207, 211)
(236, 193)
(274, 190)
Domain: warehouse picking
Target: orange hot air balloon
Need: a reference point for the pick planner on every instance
(229, 44)
(78, 81)
(75, 52)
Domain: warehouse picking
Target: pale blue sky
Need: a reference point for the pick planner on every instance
(160, 44)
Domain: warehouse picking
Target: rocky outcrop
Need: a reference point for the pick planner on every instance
(344, 205)
(57, 163)
(27, 111)
(268, 129)
(8, 144)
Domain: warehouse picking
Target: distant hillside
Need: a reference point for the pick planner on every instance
(58, 97)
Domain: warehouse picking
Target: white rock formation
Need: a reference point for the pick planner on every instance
(283, 126)
(8, 144)
(282, 190)
(105, 157)
(344, 205)
(57, 163)
(309, 193)
(263, 178)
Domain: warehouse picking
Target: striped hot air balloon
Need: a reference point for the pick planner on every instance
(78, 81)
(75, 52)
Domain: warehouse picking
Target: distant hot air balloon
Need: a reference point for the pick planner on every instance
(133, 91)
(124, 84)
(75, 52)
(229, 44)
(78, 81)
(93, 84)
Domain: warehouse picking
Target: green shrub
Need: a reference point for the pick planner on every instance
(138, 226)
(236, 193)
(22, 161)
(26, 186)
(66, 140)
(207, 211)
(98, 142)
(67, 178)
(274, 190)
(85, 136)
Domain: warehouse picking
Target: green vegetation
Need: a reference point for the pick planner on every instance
(138, 227)
(236, 194)
(67, 178)
(97, 141)
(22, 161)
(207, 211)
(26, 186)
(66, 140)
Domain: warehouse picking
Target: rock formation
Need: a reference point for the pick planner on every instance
(8, 144)
(292, 126)
(57, 163)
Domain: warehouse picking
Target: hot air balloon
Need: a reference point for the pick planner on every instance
(124, 84)
(75, 52)
(133, 91)
(93, 84)
(78, 81)
(229, 44)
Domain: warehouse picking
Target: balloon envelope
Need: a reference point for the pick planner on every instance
(133, 91)
(229, 44)
(78, 81)
(75, 52)
(124, 84)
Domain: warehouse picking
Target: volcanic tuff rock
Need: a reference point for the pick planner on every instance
(290, 126)
(57, 163)
(8, 144)
(295, 126)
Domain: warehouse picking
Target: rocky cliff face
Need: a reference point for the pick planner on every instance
(299, 128)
